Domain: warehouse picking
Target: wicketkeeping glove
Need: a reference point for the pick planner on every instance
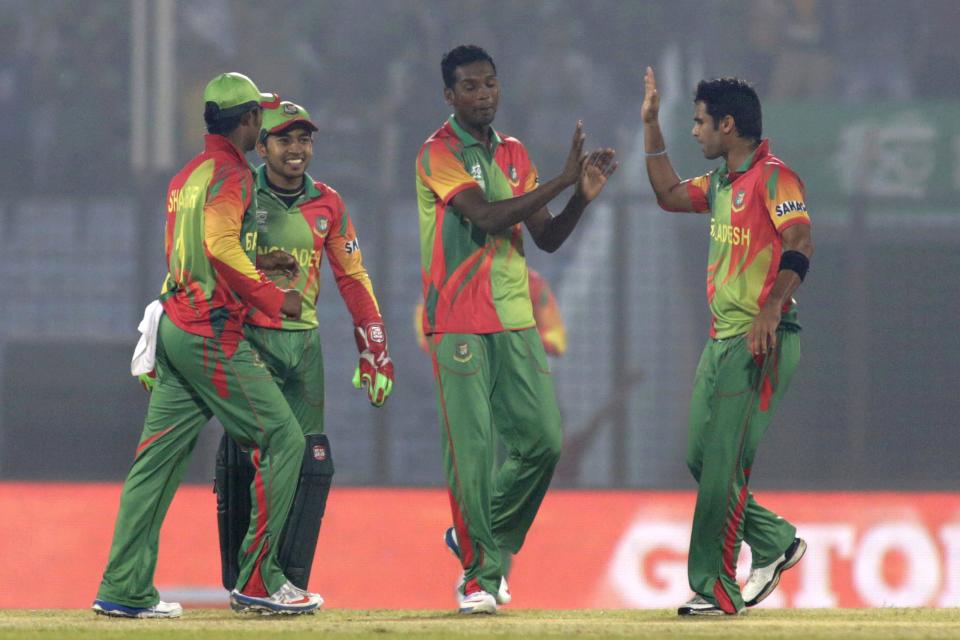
(375, 369)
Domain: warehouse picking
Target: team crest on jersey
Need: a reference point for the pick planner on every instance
(738, 200)
(322, 225)
(477, 174)
(319, 452)
(462, 352)
(514, 178)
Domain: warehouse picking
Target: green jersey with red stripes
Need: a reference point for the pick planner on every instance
(316, 223)
(473, 282)
(210, 244)
(751, 207)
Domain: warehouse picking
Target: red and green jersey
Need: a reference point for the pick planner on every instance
(473, 282)
(317, 222)
(210, 243)
(546, 312)
(751, 208)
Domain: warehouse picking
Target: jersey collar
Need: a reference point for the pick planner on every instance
(215, 142)
(468, 140)
(759, 155)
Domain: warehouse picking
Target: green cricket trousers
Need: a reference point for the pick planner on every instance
(198, 378)
(295, 359)
(734, 397)
(488, 385)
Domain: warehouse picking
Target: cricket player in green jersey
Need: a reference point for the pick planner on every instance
(760, 249)
(474, 188)
(298, 220)
(205, 368)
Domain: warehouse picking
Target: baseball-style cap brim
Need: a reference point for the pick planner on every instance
(285, 116)
(235, 94)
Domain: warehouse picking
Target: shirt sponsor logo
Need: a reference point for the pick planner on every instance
(790, 206)
(462, 353)
(477, 174)
(729, 234)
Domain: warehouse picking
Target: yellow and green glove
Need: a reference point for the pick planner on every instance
(148, 380)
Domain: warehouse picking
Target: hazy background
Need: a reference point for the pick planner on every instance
(101, 103)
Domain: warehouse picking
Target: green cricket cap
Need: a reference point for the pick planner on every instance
(234, 94)
(282, 117)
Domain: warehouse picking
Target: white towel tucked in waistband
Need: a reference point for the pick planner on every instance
(145, 353)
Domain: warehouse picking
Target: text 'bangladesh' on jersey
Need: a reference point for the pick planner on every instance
(751, 208)
(473, 282)
(317, 222)
(210, 244)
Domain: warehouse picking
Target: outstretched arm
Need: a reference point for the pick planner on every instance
(549, 232)
(671, 193)
(496, 217)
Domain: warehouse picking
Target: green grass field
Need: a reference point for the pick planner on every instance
(222, 624)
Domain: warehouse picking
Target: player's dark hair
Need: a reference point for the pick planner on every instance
(459, 56)
(219, 123)
(736, 98)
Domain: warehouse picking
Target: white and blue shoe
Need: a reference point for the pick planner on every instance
(503, 593)
(478, 602)
(117, 610)
(287, 600)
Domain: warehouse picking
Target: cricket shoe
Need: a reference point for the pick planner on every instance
(763, 580)
(287, 600)
(450, 539)
(478, 602)
(117, 610)
(699, 606)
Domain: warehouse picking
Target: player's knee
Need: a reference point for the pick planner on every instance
(550, 446)
(289, 442)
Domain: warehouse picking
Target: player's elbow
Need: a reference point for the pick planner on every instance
(545, 243)
(483, 219)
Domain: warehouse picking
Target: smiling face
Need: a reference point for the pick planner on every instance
(474, 96)
(287, 155)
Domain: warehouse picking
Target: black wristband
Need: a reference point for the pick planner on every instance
(796, 262)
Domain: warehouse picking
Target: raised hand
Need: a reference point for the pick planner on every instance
(574, 164)
(595, 169)
(650, 109)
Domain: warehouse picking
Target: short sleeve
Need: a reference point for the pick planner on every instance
(698, 189)
(442, 171)
(785, 199)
